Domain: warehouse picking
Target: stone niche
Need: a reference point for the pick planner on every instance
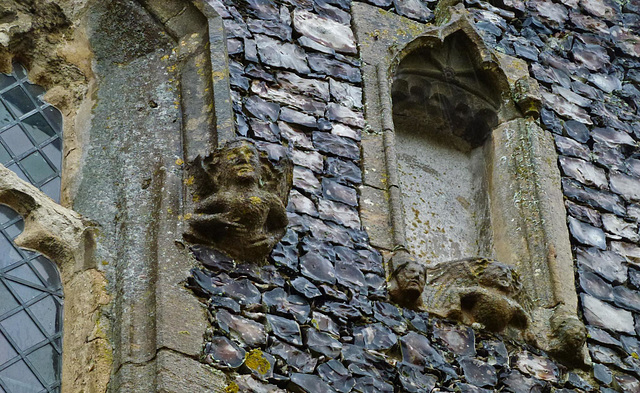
(461, 185)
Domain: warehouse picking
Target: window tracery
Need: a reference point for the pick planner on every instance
(31, 296)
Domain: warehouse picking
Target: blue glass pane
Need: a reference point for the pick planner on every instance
(52, 189)
(8, 302)
(55, 117)
(6, 81)
(53, 151)
(38, 128)
(6, 350)
(45, 361)
(9, 254)
(22, 330)
(46, 312)
(15, 168)
(17, 140)
(5, 116)
(35, 92)
(7, 214)
(24, 292)
(19, 379)
(37, 168)
(18, 101)
(14, 230)
(25, 273)
(5, 157)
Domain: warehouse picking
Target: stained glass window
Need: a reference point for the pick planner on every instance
(30, 287)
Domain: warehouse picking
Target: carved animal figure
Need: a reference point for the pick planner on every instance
(240, 201)
(476, 290)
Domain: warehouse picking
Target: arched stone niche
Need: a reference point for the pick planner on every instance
(461, 184)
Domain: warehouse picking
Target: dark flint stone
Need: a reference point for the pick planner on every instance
(598, 335)
(305, 383)
(243, 291)
(371, 384)
(592, 284)
(263, 9)
(225, 353)
(270, 275)
(336, 145)
(271, 28)
(584, 213)
(594, 198)
(293, 357)
(418, 321)
(337, 192)
(333, 293)
(607, 156)
(305, 287)
(311, 44)
(305, 180)
(216, 302)
(324, 323)
(362, 303)
(390, 315)
(606, 83)
(607, 264)
(236, 75)
(323, 8)
(460, 340)
(550, 121)
(274, 151)
(285, 329)
(242, 126)
(235, 46)
(611, 137)
(250, 332)
(322, 343)
(342, 114)
(235, 29)
(334, 68)
(414, 381)
(496, 353)
(414, 9)
(517, 383)
(250, 50)
(602, 374)
(376, 337)
(341, 311)
(541, 73)
(277, 54)
(317, 268)
(536, 366)
(263, 110)
(337, 375)
(344, 4)
(279, 302)
(350, 276)
(587, 91)
(526, 51)
(489, 28)
(201, 283)
(345, 172)
(257, 71)
(417, 350)
(627, 298)
(628, 383)
(212, 259)
(576, 381)
(605, 355)
(587, 234)
(295, 117)
(323, 124)
(478, 373)
(466, 388)
(264, 130)
(634, 278)
(259, 364)
(381, 3)
(285, 255)
(577, 130)
(376, 286)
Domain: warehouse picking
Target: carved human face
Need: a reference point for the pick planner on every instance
(241, 162)
(411, 278)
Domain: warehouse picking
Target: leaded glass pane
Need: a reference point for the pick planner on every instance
(30, 288)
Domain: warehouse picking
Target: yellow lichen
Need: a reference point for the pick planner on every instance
(256, 361)
(189, 180)
(179, 162)
(232, 388)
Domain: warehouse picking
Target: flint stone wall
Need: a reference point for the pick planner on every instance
(317, 320)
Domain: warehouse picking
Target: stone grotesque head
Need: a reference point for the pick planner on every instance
(240, 198)
(408, 278)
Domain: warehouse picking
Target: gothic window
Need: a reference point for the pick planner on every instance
(30, 287)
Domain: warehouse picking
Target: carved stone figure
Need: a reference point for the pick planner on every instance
(407, 279)
(240, 198)
(472, 290)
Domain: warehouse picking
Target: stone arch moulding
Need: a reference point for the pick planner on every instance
(500, 242)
